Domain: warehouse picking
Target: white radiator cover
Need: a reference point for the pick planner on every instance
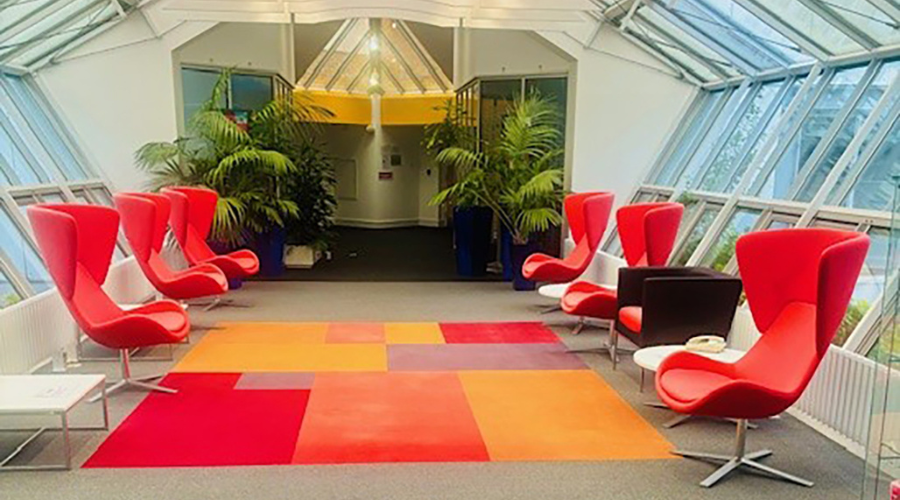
(32, 331)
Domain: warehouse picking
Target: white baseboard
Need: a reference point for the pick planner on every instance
(429, 222)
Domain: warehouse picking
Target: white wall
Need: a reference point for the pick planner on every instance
(625, 105)
(252, 46)
(117, 92)
(481, 52)
(400, 201)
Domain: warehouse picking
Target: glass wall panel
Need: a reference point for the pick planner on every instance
(42, 124)
(556, 89)
(696, 126)
(8, 294)
(720, 253)
(868, 19)
(21, 254)
(497, 97)
(707, 146)
(873, 189)
(721, 169)
(758, 31)
(14, 167)
(250, 92)
(854, 121)
(696, 234)
(815, 125)
(197, 85)
(681, 47)
(869, 285)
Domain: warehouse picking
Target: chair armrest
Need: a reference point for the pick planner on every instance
(157, 306)
(676, 308)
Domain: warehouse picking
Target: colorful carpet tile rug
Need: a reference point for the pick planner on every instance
(330, 393)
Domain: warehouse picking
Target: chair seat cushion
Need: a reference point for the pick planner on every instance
(590, 300)
(631, 317)
(687, 385)
(174, 321)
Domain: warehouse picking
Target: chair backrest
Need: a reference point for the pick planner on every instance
(647, 231)
(799, 283)
(145, 219)
(77, 243)
(191, 218)
(573, 206)
(588, 217)
(596, 208)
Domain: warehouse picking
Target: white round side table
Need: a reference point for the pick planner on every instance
(553, 291)
(649, 359)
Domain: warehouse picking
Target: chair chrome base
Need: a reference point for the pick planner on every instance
(551, 309)
(612, 347)
(741, 459)
(128, 381)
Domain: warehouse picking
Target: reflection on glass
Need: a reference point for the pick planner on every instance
(197, 85)
(656, 31)
(21, 254)
(695, 125)
(865, 16)
(758, 31)
(798, 15)
(13, 159)
(556, 90)
(814, 127)
(722, 166)
(696, 235)
(720, 254)
(848, 130)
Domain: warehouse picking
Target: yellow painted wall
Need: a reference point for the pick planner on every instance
(354, 109)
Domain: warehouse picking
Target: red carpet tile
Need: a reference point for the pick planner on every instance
(389, 417)
(498, 333)
(207, 423)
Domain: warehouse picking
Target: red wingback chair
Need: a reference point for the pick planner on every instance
(647, 232)
(191, 219)
(579, 208)
(76, 242)
(145, 219)
(798, 284)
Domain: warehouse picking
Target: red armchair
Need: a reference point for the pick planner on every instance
(579, 208)
(647, 232)
(191, 219)
(76, 242)
(145, 219)
(798, 284)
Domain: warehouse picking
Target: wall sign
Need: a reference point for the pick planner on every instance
(385, 176)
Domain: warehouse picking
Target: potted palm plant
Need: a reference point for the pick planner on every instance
(519, 177)
(248, 166)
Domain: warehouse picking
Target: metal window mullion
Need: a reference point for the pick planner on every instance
(18, 281)
(756, 133)
(688, 229)
(770, 161)
(406, 67)
(358, 76)
(91, 27)
(746, 36)
(888, 8)
(729, 128)
(31, 18)
(836, 125)
(330, 47)
(853, 148)
(724, 215)
(819, 8)
(761, 223)
(29, 141)
(704, 38)
(20, 224)
(682, 72)
(713, 68)
(698, 139)
(30, 160)
(426, 59)
(393, 78)
(51, 30)
(787, 30)
(684, 125)
(346, 61)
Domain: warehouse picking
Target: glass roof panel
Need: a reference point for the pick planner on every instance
(348, 60)
(868, 19)
(812, 25)
(758, 31)
(697, 56)
(735, 39)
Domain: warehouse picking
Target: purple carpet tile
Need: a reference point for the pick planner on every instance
(275, 382)
(436, 357)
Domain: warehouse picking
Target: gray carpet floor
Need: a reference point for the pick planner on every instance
(798, 448)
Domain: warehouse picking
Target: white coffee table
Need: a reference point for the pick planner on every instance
(48, 395)
(649, 359)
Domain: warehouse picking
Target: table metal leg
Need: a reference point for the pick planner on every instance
(67, 439)
(643, 374)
